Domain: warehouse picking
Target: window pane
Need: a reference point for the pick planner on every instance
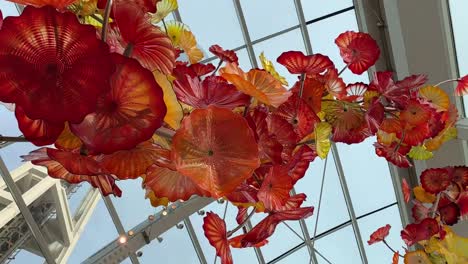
(176, 247)
(8, 9)
(459, 25)
(212, 22)
(300, 256)
(333, 209)
(274, 47)
(316, 8)
(265, 18)
(367, 225)
(323, 35)
(99, 232)
(340, 247)
(132, 194)
(367, 175)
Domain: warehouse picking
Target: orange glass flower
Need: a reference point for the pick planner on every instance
(435, 180)
(259, 84)
(406, 190)
(52, 66)
(128, 114)
(165, 182)
(132, 163)
(215, 148)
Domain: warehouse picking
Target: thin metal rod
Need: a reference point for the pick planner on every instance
(18, 198)
(117, 223)
(258, 251)
(349, 203)
(194, 239)
(294, 231)
(177, 16)
(327, 233)
(306, 236)
(324, 172)
(245, 33)
(303, 26)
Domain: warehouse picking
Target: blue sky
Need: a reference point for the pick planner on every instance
(368, 177)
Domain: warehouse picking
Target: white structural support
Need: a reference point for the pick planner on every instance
(46, 200)
(147, 231)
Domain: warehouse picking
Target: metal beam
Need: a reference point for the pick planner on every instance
(36, 232)
(303, 26)
(348, 201)
(245, 33)
(118, 224)
(194, 239)
(148, 230)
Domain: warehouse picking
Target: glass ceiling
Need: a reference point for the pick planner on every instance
(272, 29)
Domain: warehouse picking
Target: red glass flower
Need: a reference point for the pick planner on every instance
(379, 235)
(52, 66)
(298, 114)
(463, 205)
(424, 230)
(374, 116)
(394, 154)
(355, 91)
(145, 5)
(213, 90)
(128, 114)
(143, 41)
(215, 148)
(459, 175)
(358, 50)
(275, 188)
(462, 86)
(299, 162)
(59, 4)
(215, 230)
(435, 180)
(1, 19)
(416, 113)
(419, 211)
(224, 55)
(267, 226)
(406, 190)
(298, 63)
(74, 168)
(39, 132)
(449, 213)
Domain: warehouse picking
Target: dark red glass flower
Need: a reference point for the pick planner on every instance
(435, 180)
(59, 4)
(394, 154)
(449, 213)
(224, 55)
(379, 235)
(39, 132)
(213, 90)
(129, 114)
(74, 168)
(298, 63)
(52, 66)
(463, 205)
(215, 230)
(424, 230)
(358, 50)
(299, 162)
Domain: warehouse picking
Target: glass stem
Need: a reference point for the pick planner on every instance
(389, 247)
